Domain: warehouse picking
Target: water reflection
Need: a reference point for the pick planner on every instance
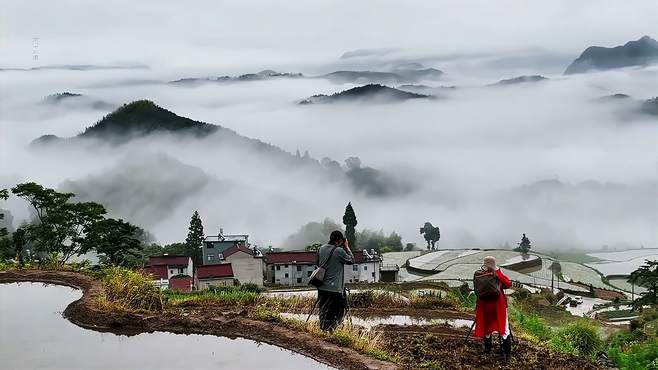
(34, 335)
(392, 319)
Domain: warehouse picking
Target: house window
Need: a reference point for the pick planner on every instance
(210, 257)
(355, 267)
(299, 280)
(210, 245)
(286, 274)
(180, 270)
(272, 267)
(220, 256)
(171, 271)
(286, 266)
(299, 268)
(278, 268)
(373, 274)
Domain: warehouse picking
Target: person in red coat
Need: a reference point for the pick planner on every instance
(491, 315)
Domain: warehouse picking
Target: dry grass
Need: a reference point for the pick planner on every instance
(127, 290)
(346, 335)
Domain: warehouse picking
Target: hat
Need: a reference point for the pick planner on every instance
(490, 261)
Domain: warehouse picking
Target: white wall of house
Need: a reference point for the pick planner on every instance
(295, 274)
(246, 268)
(367, 272)
(205, 283)
(180, 270)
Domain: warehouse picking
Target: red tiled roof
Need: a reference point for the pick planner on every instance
(359, 257)
(294, 256)
(158, 272)
(237, 248)
(214, 271)
(168, 260)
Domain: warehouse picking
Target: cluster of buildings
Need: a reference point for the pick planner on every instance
(231, 260)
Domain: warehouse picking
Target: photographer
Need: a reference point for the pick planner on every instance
(331, 294)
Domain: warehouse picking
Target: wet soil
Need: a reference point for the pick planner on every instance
(444, 348)
(85, 313)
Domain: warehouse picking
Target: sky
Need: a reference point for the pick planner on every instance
(486, 163)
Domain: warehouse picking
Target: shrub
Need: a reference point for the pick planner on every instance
(131, 291)
(435, 301)
(531, 324)
(580, 338)
(635, 356)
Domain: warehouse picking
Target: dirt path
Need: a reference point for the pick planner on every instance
(85, 313)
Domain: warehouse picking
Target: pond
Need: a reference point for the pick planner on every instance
(34, 335)
(371, 322)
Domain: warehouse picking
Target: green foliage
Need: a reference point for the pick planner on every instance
(646, 276)
(431, 233)
(116, 241)
(313, 247)
(631, 354)
(379, 241)
(240, 295)
(350, 222)
(532, 325)
(128, 290)
(194, 238)
(61, 225)
(580, 338)
(524, 245)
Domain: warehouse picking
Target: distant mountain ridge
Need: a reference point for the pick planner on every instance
(394, 77)
(74, 100)
(143, 118)
(262, 75)
(371, 92)
(399, 75)
(641, 52)
(520, 80)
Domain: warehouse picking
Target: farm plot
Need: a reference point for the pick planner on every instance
(621, 267)
(576, 272)
(625, 255)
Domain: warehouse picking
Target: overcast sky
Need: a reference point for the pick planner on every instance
(486, 163)
(237, 34)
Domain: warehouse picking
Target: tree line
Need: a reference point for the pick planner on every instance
(62, 228)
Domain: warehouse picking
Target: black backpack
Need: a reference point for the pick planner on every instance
(486, 285)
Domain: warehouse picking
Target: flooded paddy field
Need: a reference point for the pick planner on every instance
(35, 335)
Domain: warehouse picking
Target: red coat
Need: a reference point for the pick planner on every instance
(491, 315)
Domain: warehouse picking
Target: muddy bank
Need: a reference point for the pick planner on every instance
(444, 348)
(85, 313)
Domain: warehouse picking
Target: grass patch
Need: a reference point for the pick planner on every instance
(346, 335)
(580, 339)
(531, 327)
(127, 290)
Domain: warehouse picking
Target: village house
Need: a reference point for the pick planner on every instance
(246, 262)
(168, 271)
(214, 246)
(214, 275)
(295, 267)
(289, 268)
(365, 268)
